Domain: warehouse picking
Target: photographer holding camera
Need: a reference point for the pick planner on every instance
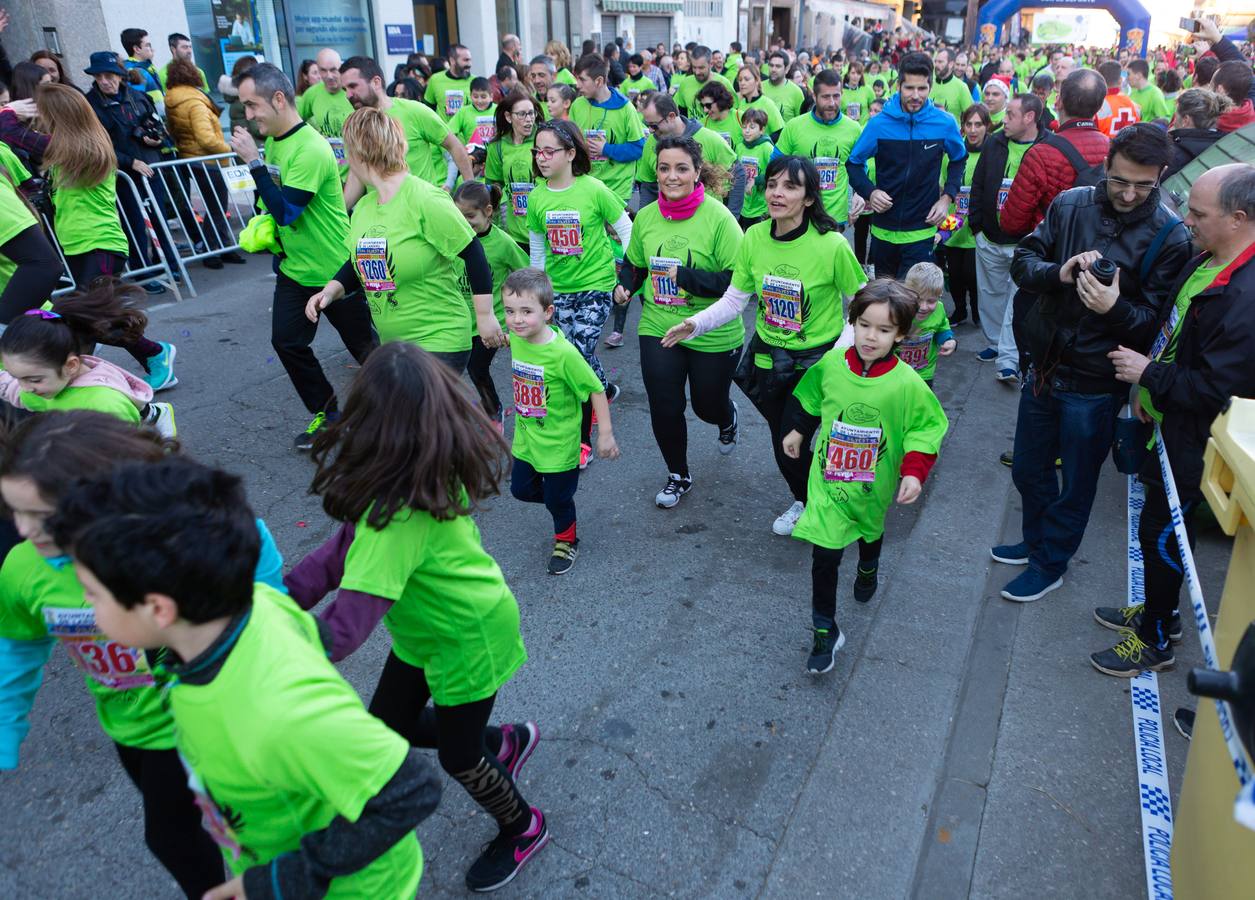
(139, 138)
(1102, 265)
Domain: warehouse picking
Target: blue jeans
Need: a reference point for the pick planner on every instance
(1077, 429)
(895, 260)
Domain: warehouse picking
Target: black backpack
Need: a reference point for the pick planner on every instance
(1086, 175)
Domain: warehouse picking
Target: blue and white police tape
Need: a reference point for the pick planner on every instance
(1237, 755)
(1154, 794)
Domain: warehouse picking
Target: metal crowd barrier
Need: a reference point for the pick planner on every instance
(149, 245)
(212, 203)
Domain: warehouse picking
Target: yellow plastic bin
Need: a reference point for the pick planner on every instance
(1212, 855)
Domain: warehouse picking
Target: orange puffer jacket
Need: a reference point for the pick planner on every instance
(193, 122)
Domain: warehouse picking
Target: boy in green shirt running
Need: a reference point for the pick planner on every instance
(931, 335)
(166, 553)
(476, 124)
(611, 125)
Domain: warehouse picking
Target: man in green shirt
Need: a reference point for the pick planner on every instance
(700, 73)
(663, 119)
(424, 132)
(787, 95)
(324, 105)
(826, 136)
(949, 92)
(450, 89)
(1151, 103)
(540, 75)
(181, 48)
(300, 187)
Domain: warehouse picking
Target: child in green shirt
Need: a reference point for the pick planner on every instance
(552, 383)
(755, 150)
(476, 124)
(880, 423)
(931, 335)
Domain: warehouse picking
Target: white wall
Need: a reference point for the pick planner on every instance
(80, 27)
(391, 12)
(477, 25)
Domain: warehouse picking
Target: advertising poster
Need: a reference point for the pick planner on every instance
(235, 29)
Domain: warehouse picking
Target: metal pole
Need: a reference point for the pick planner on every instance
(969, 26)
(801, 25)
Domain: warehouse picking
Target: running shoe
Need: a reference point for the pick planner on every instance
(958, 318)
(586, 455)
(1011, 554)
(564, 554)
(1129, 618)
(161, 417)
(160, 375)
(728, 436)
(153, 288)
(787, 520)
(502, 857)
(517, 743)
(305, 440)
(1184, 720)
(866, 582)
(989, 354)
(824, 651)
(614, 339)
(1008, 375)
(676, 488)
(1131, 657)
(1030, 585)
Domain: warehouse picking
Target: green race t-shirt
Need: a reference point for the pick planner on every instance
(86, 218)
(424, 133)
(707, 241)
(326, 114)
(686, 93)
(755, 158)
(952, 95)
(504, 257)
(828, 145)
(313, 244)
(452, 615)
(787, 95)
(728, 128)
(961, 207)
(564, 76)
(867, 426)
(573, 222)
(1164, 349)
(15, 216)
(856, 102)
(775, 121)
(473, 126)
(618, 126)
(405, 253)
(509, 165)
(37, 600)
(278, 744)
(1015, 156)
(919, 348)
(96, 397)
(801, 284)
(1151, 103)
(447, 94)
(715, 150)
(551, 382)
(631, 87)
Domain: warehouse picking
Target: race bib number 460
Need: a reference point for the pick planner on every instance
(529, 390)
(562, 229)
(666, 291)
(827, 166)
(782, 302)
(371, 258)
(851, 453)
(106, 662)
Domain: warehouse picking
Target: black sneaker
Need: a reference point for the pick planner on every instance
(517, 743)
(1131, 657)
(563, 558)
(676, 488)
(502, 857)
(865, 582)
(728, 436)
(305, 440)
(824, 653)
(1129, 618)
(1184, 720)
(612, 392)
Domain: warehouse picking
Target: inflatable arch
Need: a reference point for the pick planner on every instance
(1133, 18)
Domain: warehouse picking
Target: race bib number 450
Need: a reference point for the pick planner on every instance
(529, 390)
(852, 453)
(782, 302)
(562, 229)
(106, 662)
(666, 291)
(371, 258)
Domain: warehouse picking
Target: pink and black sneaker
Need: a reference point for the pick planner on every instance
(517, 743)
(503, 857)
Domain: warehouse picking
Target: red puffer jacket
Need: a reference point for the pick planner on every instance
(1045, 172)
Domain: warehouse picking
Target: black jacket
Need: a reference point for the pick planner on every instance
(1082, 219)
(121, 115)
(1212, 364)
(1187, 143)
(986, 182)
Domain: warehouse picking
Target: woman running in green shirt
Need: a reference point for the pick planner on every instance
(856, 94)
(749, 87)
(682, 252)
(509, 160)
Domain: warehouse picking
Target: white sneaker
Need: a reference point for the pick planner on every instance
(787, 520)
(676, 488)
(161, 417)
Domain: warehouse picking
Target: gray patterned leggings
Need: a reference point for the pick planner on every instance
(581, 317)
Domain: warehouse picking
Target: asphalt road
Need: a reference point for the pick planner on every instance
(963, 746)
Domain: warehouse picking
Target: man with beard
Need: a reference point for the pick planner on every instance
(949, 92)
(450, 89)
(826, 136)
(701, 72)
(787, 95)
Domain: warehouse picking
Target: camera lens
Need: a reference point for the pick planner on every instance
(1103, 269)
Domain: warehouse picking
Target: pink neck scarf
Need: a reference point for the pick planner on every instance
(682, 209)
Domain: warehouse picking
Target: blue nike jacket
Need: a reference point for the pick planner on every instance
(907, 148)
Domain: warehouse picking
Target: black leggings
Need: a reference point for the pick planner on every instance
(172, 820)
(961, 265)
(709, 379)
(825, 564)
(463, 739)
(36, 274)
(478, 368)
(1161, 560)
(795, 471)
(862, 231)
